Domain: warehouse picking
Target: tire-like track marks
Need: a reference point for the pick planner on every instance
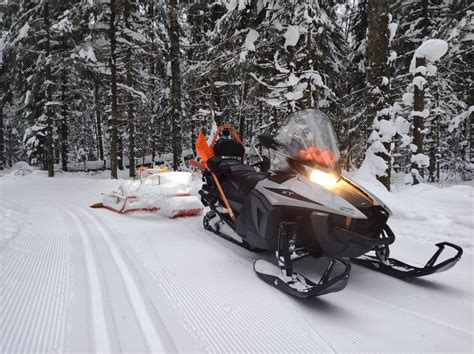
(35, 286)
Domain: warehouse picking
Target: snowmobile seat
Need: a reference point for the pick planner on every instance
(220, 165)
(244, 182)
(228, 147)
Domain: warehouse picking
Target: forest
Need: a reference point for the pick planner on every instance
(120, 82)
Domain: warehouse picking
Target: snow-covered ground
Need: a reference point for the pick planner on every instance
(80, 279)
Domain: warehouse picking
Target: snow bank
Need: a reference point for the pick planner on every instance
(21, 168)
(446, 212)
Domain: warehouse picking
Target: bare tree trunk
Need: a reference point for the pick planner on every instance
(243, 96)
(64, 125)
(152, 105)
(119, 151)
(378, 72)
(98, 121)
(419, 105)
(130, 113)
(2, 141)
(308, 94)
(175, 85)
(113, 90)
(49, 96)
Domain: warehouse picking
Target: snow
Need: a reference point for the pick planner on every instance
(402, 125)
(21, 168)
(250, 40)
(88, 54)
(392, 27)
(278, 66)
(392, 56)
(63, 26)
(420, 160)
(2, 45)
(387, 130)
(432, 50)
(407, 98)
(76, 279)
(423, 114)
(23, 32)
(419, 81)
(291, 36)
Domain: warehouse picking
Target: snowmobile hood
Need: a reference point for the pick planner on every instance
(299, 191)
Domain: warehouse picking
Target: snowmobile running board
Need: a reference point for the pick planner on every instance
(399, 269)
(299, 286)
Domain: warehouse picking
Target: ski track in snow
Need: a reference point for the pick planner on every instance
(155, 340)
(99, 322)
(35, 286)
(142, 282)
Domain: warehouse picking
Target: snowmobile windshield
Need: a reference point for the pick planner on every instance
(308, 137)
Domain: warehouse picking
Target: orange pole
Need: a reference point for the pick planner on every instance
(229, 209)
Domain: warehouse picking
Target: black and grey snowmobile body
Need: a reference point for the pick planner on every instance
(294, 214)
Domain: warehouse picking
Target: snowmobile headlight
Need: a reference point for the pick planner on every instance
(327, 180)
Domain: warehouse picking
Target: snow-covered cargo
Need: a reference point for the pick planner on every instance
(170, 194)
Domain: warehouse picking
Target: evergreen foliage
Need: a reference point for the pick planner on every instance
(123, 81)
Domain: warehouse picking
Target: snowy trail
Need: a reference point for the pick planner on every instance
(35, 286)
(80, 279)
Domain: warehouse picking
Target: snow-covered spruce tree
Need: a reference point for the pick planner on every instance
(356, 125)
(429, 52)
(453, 97)
(378, 155)
(419, 21)
(267, 58)
(30, 53)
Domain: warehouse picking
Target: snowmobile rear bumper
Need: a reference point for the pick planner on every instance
(337, 241)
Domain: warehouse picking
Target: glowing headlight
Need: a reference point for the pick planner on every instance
(324, 179)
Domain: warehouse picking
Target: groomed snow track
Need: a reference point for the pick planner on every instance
(79, 279)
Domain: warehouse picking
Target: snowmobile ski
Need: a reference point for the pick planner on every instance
(396, 268)
(299, 286)
(295, 284)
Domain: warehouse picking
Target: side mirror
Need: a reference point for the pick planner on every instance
(263, 165)
(267, 141)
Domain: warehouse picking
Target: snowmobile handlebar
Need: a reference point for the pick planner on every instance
(267, 141)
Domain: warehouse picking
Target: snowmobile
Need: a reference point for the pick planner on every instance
(303, 207)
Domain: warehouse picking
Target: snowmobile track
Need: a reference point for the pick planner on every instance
(36, 275)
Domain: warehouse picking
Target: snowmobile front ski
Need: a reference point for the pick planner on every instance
(295, 284)
(391, 266)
